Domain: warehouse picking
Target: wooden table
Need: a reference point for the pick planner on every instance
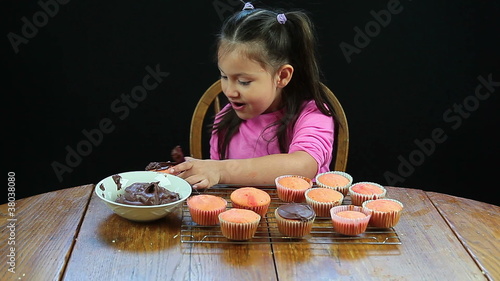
(71, 235)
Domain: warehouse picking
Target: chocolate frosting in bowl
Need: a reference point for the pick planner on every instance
(296, 211)
(147, 194)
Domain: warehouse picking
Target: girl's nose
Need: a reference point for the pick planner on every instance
(229, 89)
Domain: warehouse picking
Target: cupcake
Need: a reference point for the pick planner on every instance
(323, 199)
(204, 209)
(239, 224)
(251, 198)
(336, 180)
(291, 188)
(349, 219)
(385, 212)
(294, 220)
(363, 191)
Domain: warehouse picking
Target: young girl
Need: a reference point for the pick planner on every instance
(279, 120)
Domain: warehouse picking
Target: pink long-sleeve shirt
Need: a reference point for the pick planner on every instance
(312, 133)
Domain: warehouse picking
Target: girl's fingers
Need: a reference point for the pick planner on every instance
(182, 167)
(201, 184)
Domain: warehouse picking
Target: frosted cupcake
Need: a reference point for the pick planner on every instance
(204, 208)
(239, 224)
(291, 188)
(323, 199)
(349, 219)
(385, 212)
(336, 180)
(294, 220)
(251, 198)
(364, 191)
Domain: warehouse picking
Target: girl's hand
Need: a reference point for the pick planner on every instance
(198, 173)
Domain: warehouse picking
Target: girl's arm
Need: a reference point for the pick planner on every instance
(252, 171)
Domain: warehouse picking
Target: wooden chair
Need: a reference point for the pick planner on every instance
(211, 96)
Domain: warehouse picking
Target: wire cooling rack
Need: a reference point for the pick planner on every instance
(267, 232)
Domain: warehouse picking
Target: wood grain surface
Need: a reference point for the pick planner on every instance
(45, 228)
(112, 248)
(71, 234)
(429, 251)
(477, 225)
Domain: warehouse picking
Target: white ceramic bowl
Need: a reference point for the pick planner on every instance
(108, 191)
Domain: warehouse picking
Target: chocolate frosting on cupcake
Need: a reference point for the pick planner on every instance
(295, 211)
(147, 194)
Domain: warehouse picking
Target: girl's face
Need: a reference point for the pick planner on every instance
(250, 88)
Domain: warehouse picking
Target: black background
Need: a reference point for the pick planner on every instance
(395, 91)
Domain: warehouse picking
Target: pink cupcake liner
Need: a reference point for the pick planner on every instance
(203, 217)
(238, 231)
(348, 226)
(293, 228)
(322, 209)
(384, 219)
(261, 210)
(358, 198)
(291, 195)
(342, 189)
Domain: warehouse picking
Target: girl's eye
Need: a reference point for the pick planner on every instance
(244, 83)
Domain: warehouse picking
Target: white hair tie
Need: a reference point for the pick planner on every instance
(248, 6)
(281, 18)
